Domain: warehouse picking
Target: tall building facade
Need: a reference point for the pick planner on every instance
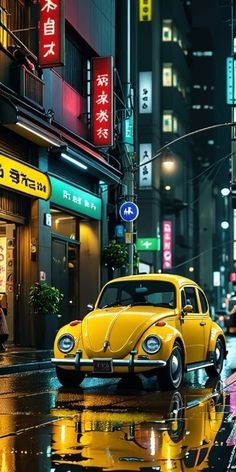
(54, 181)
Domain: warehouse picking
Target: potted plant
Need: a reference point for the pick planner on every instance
(45, 301)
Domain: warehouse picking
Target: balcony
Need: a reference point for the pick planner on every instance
(30, 87)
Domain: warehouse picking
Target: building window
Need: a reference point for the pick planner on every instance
(171, 123)
(171, 33)
(167, 30)
(202, 53)
(16, 16)
(167, 123)
(167, 75)
(171, 78)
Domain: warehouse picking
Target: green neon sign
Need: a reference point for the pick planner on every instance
(148, 244)
(75, 199)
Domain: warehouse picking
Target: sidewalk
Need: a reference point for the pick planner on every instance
(22, 359)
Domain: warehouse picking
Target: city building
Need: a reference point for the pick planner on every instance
(54, 179)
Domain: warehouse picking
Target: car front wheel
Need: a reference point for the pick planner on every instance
(219, 354)
(69, 378)
(171, 376)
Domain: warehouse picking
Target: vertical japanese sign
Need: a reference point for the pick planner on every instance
(145, 170)
(102, 101)
(51, 33)
(167, 244)
(3, 252)
(145, 10)
(145, 92)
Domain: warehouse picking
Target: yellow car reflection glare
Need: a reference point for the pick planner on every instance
(176, 432)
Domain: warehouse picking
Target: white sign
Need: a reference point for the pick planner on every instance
(145, 170)
(216, 279)
(145, 92)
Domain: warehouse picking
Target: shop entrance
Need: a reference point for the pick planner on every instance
(8, 272)
(65, 257)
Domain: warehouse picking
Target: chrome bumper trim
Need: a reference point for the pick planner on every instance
(130, 363)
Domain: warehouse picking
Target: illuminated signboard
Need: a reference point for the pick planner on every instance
(51, 33)
(148, 244)
(167, 244)
(75, 199)
(230, 81)
(23, 178)
(145, 10)
(102, 101)
(145, 170)
(145, 92)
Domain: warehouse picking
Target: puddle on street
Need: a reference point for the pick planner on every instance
(186, 430)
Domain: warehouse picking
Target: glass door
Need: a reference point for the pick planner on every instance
(65, 277)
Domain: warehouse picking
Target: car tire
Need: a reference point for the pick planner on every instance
(170, 377)
(176, 417)
(69, 378)
(219, 355)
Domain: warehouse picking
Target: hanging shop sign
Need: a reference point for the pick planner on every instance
(145, 170)
(23, 178)
(145, 10)
(75, 199)
(102, 101)
(51, 33)
(167, 244)
(145, 92)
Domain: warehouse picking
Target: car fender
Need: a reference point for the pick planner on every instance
(215, 333)
(168, 335)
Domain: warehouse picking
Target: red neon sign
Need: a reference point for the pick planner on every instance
(102, 101)
(167, 244)
(51, 33)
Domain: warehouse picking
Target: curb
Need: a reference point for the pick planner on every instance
(30, 366)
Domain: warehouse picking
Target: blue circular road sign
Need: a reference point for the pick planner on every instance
(129, 211)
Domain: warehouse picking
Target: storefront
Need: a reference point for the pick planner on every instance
(20, 186)
(75, 228)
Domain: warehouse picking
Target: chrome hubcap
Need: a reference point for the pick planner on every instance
(174, 364)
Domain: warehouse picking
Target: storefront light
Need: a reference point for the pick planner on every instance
(74, 161)
(37, 133)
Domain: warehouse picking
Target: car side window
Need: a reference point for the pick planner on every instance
(203, 301)
(191, 298)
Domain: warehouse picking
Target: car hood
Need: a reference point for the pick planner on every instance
(115, 332)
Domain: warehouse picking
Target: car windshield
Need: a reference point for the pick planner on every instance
(148, 292)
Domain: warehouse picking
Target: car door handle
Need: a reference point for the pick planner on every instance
(203, 323)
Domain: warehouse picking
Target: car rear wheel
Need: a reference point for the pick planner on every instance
(171, 376)
(219, 354)
(69, 378)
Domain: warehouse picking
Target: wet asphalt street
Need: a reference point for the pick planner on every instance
(111, 425)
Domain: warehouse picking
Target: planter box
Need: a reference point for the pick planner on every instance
(45, 329)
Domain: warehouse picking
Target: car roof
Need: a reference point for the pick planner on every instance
(177, 280)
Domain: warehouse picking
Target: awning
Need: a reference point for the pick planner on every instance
(34, 126)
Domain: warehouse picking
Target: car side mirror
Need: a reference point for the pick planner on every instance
(90, 307)
(187, 309)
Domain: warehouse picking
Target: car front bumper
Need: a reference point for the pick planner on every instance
(77, 362)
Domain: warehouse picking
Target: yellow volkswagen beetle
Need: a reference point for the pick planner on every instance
(152, 324)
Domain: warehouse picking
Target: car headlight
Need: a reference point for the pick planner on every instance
(66, 343)
(152, 344)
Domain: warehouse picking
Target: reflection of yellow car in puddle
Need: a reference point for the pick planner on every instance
(149, 432)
